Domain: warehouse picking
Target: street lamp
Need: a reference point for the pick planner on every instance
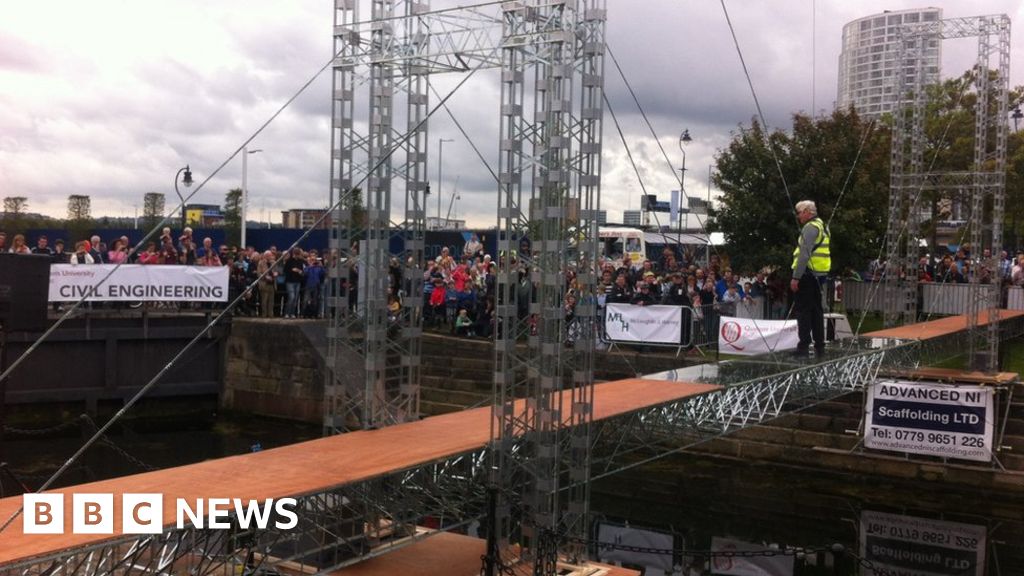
(245, 187)
(1017, 115)
(187, 181)
(684, 138)
(440, 157)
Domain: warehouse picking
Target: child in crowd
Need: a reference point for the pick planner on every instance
(729, 300)
(463, 324)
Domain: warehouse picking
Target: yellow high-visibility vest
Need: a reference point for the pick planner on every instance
(821, 256)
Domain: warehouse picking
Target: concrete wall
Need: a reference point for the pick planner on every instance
(274, 369)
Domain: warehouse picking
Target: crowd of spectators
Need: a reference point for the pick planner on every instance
(293, 288)
(956, 268)
(459, 290)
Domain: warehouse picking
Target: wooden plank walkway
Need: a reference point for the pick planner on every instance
(940, 327)
(954, 376)
(449, 554)
(317, 465)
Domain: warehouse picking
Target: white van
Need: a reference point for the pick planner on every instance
(615, 242)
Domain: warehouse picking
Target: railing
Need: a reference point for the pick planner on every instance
(1015, 298)
(941, 299)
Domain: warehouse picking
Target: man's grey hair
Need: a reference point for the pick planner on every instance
(807, 205)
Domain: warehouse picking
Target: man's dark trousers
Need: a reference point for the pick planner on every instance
(810, 318)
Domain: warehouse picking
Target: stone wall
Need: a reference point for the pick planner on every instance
(274, 368)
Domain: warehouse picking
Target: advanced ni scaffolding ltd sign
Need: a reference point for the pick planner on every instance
(138, 283)
(933, 419)
(912, 546)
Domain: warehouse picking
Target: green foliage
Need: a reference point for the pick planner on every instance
(153, 205)
(817, 155)
(353, 200)
(79, 207)
(817, 158)
(15, 204)
(233, 216)
(1015, 179)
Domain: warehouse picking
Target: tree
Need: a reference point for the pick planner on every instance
(756, 213)
(949, 147)
(353, 200)
(153, 204)
(79, 207)
(233, 216)
(15, 204)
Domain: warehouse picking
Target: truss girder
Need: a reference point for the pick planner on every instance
(652, 432)
(347, 523)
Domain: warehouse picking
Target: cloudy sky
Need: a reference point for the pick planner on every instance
(111, 97)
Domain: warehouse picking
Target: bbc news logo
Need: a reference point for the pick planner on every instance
(144, 513)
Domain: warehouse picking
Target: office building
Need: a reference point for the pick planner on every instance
(867, 62)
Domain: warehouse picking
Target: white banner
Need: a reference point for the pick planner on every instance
(138, 283)
(781, 565)
(644, 324)
(934, 419)
(913, 546)
(747, 337)
(611, 538)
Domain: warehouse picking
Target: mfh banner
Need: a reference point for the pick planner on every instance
(746, 336)
(138, 283)
(934, 419)
(644, 324)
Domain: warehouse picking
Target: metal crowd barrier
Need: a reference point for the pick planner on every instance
(1015, 298)
(863, 296)
(943, 299)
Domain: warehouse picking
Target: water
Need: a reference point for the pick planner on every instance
(851, 523)
(138, 445)
(882, 526)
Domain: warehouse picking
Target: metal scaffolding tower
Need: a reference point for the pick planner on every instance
(374, 360)
(550, 53)
(985, 182)
(549, 172)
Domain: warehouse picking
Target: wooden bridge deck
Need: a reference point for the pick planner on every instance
(937, 328)
(316, 465)
(325, 463)
(450, 554)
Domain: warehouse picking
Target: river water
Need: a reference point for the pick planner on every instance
(850, 524)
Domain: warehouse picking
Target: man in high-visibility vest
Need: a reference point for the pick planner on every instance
(812, 261)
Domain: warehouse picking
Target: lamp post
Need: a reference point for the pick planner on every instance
(245, 188)
(684, 139)
(1017, 115)
(440, 157)
(187, 181)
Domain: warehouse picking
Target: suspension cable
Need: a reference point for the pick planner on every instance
(184, 350)
(760, 113)
(903, 228)
(70, 311)
(636, 170)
